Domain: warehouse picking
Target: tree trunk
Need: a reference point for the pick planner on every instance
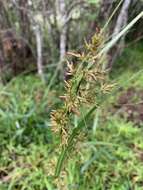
(39, 52)
(120, 23)
(63, 42)
(122, 18)
(24, 21)
(62, 26)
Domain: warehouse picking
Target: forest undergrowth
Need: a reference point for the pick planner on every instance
(111, 157)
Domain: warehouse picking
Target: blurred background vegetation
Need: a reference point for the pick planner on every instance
(36, 37)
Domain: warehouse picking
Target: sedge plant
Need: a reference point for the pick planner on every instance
(87, 81)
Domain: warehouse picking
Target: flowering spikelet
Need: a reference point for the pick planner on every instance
(96, 42)
(58, 119)
(85, 82)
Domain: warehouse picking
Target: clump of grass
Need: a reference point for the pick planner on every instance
(25, 110)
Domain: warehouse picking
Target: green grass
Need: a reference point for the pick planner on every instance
(108, 155)
(112, 159)
(129, 67)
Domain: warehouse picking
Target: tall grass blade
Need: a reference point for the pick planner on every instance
(110, 18)
(110, 44)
